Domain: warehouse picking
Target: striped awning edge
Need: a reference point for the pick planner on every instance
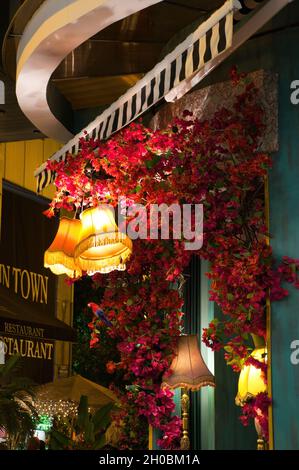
(210, 39)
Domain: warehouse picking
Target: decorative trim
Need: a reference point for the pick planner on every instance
(209, 40)
(202, 382)
(55, 30)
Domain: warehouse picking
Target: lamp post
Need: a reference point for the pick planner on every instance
(189, 373)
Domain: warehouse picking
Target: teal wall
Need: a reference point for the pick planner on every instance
(278, 52)
(207, 394)
(229, 431)
(214, 422)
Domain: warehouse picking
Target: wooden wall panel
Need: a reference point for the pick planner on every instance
(2, 167)
(15, 162)
(19, 160)
(33, 158)
(50, 147)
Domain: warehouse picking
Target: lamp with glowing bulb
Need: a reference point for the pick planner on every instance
(251, 383)
(59, 257)
(189, 372)
(101, 247)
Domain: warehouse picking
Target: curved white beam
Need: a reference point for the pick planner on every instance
(54, 31)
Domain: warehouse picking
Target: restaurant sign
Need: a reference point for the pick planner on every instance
(28, 325)
(26, 341)
(27, 284)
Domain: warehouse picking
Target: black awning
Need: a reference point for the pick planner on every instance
(13, 313)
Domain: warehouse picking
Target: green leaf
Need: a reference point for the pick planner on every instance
(6, 368)
(242, 308)
(130, 302)
(101, 418)
(153, 162)
(83, 414)
(230, 296)
(59, 440)
(233, 361)
(149, 164)
(99, 444)
(89, 434)
(293, 267)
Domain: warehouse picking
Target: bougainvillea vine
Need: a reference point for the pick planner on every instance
(215, 162)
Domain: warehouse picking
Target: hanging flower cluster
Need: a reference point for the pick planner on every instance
(217, 163)
(257, 408)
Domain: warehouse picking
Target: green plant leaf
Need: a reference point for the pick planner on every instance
(83, 414)
(101, 418)
(59, 440)
(99, 444)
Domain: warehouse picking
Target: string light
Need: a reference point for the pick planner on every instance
(60, 408)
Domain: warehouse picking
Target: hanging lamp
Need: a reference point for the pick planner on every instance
(102, 247)
(189, 372)
(251, 383)
(251, 380)
(59, 257)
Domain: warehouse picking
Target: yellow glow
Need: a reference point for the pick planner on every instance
(251, 380)
(59, 257)
(101, 248)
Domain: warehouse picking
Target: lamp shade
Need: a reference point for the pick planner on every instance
(101, 248)
(189, 368)
(59, 257)
(251, 380)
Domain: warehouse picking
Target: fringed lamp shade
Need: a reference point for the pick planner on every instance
(59, 257)
(101, 248)
(251, 380)
(189, 368)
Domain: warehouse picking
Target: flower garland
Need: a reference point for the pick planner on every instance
(217, 163)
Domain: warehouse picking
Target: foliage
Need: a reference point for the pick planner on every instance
(91, 363)
(216, 162)
(257, 408)
(17, 413)
(87, 431)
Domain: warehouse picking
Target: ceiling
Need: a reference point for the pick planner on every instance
(13, 123)
(104, 67)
